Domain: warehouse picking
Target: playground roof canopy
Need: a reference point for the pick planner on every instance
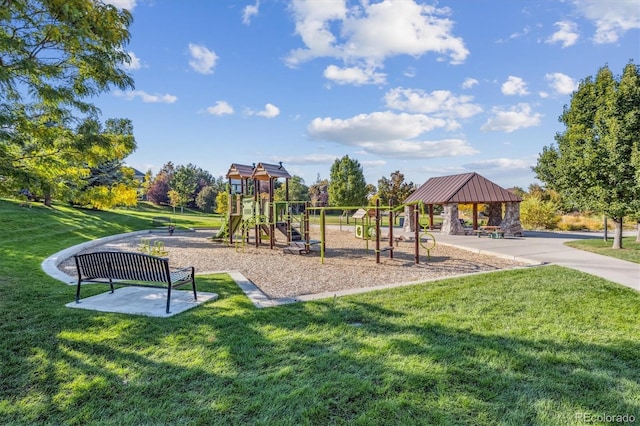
(240, 171)
(264, 171)
(467, 188)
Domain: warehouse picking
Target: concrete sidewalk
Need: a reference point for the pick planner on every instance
(548, 247)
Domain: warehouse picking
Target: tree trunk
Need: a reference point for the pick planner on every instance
(47, 197)
(617, 237)
(638, 235)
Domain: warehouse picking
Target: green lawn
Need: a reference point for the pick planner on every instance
(539, 345)
(630, 248)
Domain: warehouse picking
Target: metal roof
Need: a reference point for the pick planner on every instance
(465, 188)
(264, 171)
(240, 171)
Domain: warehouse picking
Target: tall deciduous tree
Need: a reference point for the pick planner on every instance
(298, 191)
(54, 55)
(184, 184)
(595, 164)
(393, 191)
(347, 184)
(158, 191)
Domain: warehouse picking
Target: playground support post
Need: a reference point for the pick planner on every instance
(377, 219)
(391, 220)
(416, 216)
(307, 237)
(322, 234)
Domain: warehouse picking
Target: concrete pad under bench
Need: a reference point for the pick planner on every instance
(143, 301)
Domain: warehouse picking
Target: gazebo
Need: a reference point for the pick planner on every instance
(467, 188)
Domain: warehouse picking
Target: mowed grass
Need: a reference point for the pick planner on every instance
(544, 345)
(630, 250)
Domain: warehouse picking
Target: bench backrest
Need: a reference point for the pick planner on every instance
(119, 265)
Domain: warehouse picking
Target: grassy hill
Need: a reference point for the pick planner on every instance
(544, 345)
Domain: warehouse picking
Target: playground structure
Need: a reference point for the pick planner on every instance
(252, 207)
(254, 214)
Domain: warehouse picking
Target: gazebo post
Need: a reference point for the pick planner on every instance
(431, 215)
(475, 216)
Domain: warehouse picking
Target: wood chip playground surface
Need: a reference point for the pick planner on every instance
(348, 264)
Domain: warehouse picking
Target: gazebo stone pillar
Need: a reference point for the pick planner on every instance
(511, 223)
(409, 226)
(495, 214)
(451, 223)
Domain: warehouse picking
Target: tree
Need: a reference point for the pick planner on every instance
(395, 190)
(594, 165)
(298, 191)
(53, 56)
(158, 191)
(348, 186)
(536, 213)
(184, 182)
(206, 199)
(222, 202)
(70, 159)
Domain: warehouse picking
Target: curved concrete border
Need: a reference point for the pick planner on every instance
(50, 264)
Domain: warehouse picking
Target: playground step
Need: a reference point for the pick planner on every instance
(294, 250)
(282, 227)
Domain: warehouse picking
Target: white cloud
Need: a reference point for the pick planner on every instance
(220, 108)
(123, 4)
(310, 159)
(410, 72)
(377, 126)
(419, 149)
(371, 32)
(146, 97)
(499, 163)
(567, 34)
(269, 111)
(561, 83)
(135, 63)
(441, 103)
(250, 11)
(389, 134)
(611, 18)
(353, 75)
(202, 59)
(373, 163)
(469, 82)
(514, 86)
(517, 117)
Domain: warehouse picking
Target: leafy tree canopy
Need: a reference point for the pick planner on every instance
(347, 184)
(595, 164)
(394, 190)
(54, 55)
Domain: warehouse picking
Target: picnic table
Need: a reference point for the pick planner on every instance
(490, 231)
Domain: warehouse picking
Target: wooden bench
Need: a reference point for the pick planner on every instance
(133, 269)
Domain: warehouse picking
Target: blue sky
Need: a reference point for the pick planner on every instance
(427, 88)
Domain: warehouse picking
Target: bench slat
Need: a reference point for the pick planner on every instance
(135, 269)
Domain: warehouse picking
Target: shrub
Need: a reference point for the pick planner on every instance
(538, 214)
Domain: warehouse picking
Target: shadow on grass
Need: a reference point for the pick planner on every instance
(407, 356)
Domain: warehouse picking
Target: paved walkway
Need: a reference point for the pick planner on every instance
(534, 247)
(548, 247)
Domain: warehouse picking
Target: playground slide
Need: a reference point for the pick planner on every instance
(224, 229)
